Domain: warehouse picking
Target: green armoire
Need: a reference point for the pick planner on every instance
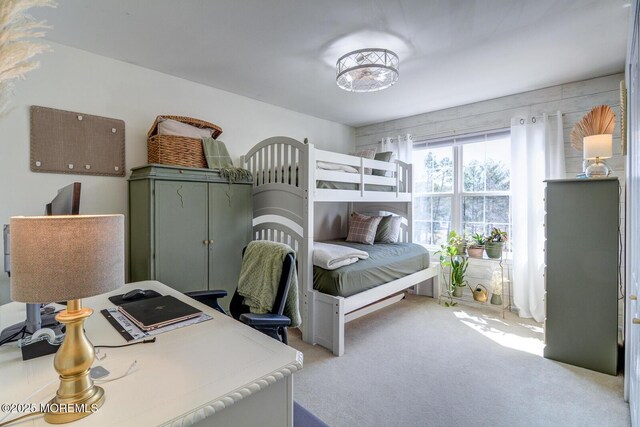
(582, 223)
(187, 228)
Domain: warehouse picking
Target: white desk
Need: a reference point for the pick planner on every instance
(219, 372)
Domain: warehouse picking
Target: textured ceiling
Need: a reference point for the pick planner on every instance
(452, 52)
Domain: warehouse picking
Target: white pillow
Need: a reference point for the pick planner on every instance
(336, 167)
(176, 128)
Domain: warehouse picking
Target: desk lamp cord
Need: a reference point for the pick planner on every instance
(152, 340)
(23, 402)
(30, 414)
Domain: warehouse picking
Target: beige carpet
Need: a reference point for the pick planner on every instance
(417, 363)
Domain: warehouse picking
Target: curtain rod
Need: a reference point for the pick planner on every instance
(537, 116)
(423, 139)
(429, 141)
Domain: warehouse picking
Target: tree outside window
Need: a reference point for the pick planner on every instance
(462, 187)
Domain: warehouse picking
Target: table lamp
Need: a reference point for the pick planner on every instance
(598, 147)
(67, 258)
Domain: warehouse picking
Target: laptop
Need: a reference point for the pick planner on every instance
(154, 313)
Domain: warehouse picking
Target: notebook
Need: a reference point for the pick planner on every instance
(153, 313)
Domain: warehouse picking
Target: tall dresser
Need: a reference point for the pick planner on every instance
(582, 241)
(187, 228)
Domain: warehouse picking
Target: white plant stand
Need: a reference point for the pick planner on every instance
(468, 299)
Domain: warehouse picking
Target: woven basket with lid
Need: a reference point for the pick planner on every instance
(178, 150)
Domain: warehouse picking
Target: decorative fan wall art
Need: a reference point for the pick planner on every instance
(599, 120)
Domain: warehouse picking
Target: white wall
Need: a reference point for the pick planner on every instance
(75, 80)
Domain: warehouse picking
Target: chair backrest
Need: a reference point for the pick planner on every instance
(236, 308)
(283, 286)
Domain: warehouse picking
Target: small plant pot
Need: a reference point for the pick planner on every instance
(475, 251)
(457, 291)
(496, 299)
(493, 249)
(462, 249)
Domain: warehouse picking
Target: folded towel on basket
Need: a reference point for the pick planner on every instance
(330, 256)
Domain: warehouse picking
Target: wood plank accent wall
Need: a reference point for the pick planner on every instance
(574, 100)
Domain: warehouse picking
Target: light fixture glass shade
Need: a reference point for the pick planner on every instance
(62, 258)
(598, 146)
(367, 70)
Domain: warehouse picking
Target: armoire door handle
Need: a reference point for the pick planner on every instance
(206, 242)
(633, 297)
(635, 321)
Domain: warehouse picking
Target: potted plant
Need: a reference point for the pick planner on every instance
(458, 241)
(459, 266)
(449, 257)
(496, 288)
(476, 248)
(494, 242)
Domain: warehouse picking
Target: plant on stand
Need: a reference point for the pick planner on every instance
(496, 287)
(495, 242)
(458, 241)
(476, 248)
(457, 264)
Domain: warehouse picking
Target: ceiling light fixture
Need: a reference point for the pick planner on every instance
(367, 70)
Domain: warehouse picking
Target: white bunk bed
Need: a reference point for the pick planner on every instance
(286, 183)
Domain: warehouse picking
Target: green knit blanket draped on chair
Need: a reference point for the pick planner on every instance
(260, 277)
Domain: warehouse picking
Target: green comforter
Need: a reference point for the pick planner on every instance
(386, 262)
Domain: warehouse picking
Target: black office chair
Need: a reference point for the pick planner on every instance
(273, 324)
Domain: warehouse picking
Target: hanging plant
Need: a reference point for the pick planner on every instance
(16, 52)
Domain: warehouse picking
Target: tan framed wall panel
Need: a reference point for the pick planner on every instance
(76, 143)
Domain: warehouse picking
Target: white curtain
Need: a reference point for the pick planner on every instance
(402, 147)
(385, 145)
(537, 154)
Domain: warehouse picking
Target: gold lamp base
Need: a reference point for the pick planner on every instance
(77, 396)
(61, 412)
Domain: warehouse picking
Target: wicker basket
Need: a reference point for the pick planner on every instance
(178, 150)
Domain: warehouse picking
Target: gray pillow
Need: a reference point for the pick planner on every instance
(388, 229)
(385, 156)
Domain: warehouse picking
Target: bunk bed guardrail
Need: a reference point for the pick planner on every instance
(281, 161)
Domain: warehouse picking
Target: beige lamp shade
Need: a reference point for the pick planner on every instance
(598, 146)
(62, 258)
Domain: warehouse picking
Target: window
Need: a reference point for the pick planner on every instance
(461, 184)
